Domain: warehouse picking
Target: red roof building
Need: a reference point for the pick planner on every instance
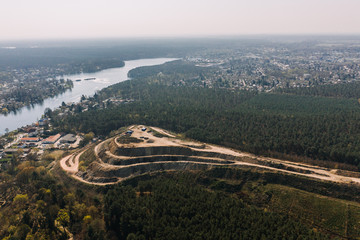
(30, 139)
(52, 139)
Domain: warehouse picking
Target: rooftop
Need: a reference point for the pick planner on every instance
(69, 138)
(53, 138)
(29, 139)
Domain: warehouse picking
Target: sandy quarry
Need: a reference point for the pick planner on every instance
(116, 161)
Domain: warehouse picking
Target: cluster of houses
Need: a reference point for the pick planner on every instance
(25, 144)
(33, 132)
(87, 104)
(32, 137)
(61, 140)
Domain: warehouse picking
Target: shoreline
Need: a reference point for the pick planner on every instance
(32, 113)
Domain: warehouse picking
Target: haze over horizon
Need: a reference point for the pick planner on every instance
(40, 19)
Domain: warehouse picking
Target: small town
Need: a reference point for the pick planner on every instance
(37, 138)
(29, 90)
(271, 67)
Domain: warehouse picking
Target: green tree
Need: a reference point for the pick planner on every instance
(63, 217)
(87, 138)
(20, 201)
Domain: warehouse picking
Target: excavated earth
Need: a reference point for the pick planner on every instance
(154, 149)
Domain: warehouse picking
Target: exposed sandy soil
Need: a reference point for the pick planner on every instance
(70, 163)
(162, 131)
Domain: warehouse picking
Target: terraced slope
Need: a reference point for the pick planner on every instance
(129, 155)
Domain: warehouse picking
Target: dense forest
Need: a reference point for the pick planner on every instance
(318, 125)
(178, 67)
(342, 90)
(180, 73)
(49, 54)
(218, 204)
(270, 124)
(166, 208)
(38, 205)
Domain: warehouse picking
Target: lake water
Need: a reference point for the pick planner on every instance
(31, 114)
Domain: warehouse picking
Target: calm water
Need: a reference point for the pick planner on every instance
(29, 115)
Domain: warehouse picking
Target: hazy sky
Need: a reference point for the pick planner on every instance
(21, 19)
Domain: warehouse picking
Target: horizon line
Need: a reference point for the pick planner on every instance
(205, 36)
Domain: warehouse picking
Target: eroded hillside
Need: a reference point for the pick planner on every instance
(140, 150)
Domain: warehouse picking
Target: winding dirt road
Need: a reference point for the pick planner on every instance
(70, 163)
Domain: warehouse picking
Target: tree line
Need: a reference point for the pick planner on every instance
(342, 90)
(314, 127)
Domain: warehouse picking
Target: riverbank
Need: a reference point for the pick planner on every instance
(22, 86)
(30, 114)
(23, 96)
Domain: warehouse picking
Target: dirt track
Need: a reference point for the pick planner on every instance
(70, 163)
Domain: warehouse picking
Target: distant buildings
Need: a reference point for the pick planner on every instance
(43, 122)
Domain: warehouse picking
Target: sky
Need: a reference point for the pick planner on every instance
(72, 19)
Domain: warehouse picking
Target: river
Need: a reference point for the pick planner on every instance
(30, 114)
